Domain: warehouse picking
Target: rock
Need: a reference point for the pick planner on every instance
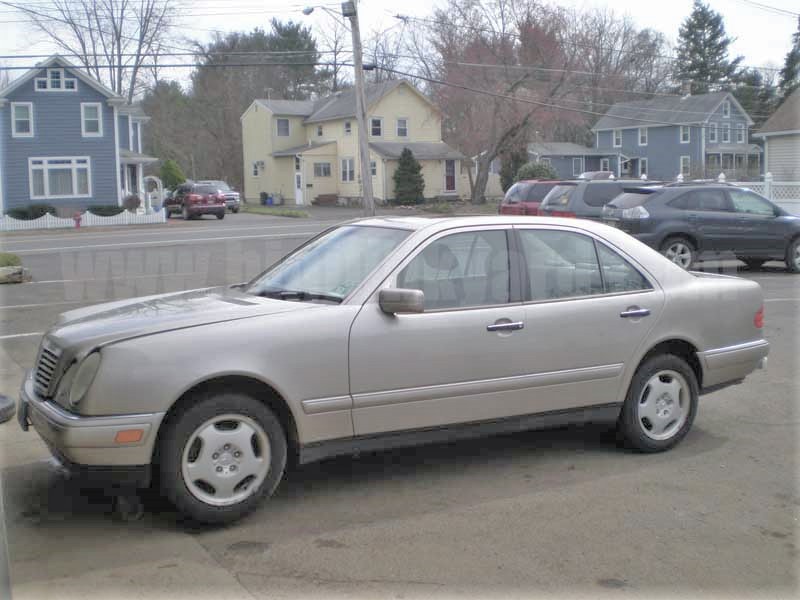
(14, 274)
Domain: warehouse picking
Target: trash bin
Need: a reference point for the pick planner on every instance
(264, 196)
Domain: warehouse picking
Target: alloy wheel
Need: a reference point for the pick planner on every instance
(663, 405)
(679, 253)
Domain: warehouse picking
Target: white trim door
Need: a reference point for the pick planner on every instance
(449, 176)
(298, 188)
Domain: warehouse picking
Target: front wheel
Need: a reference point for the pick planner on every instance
(793, 256)
(661, 404)
(221, 215)
(680, 251)
(221, 456)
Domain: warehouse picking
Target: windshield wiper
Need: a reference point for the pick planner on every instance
(300, 295)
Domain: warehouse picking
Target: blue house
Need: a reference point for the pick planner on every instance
(68, 141)
(697, 136)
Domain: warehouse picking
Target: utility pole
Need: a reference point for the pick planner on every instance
(349, 10)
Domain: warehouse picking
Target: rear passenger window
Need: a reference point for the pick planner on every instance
(560, 264)
(618, 274)
(600, 194)
(713, 200)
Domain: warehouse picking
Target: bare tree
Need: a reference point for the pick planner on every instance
(111, 38)
(334, 43)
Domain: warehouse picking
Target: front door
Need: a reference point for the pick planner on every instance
(449, 176)
(298, 188)
(459, 360)
(581, 329)
(758, 232)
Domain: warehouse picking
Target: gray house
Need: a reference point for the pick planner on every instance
(781, 135)
(697, 136)
(67, 140)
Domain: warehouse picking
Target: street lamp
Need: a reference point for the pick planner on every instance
(349, 11)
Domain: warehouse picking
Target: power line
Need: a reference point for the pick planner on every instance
(773, 9)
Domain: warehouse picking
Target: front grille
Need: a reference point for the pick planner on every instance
(45, 376)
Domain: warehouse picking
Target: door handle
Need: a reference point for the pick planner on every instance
(634, 312)
(514, 326)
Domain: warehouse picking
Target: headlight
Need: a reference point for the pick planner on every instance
(83, 378)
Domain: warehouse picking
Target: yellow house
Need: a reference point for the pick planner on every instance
(306, 151)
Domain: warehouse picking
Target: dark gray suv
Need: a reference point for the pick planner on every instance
(689, 222)
(584, 198)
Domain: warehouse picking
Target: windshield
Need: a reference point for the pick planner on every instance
(329, 267)
(205, 189)
(221, 185)
(559, 195)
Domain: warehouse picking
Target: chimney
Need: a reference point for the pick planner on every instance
(686, 87)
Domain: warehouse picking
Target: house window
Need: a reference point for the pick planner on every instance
(402, 127)
(348, 170)
(63, 177)
(577, 166)
(449, 176)
(54, 75)
(348, 128)
(726, 109)
(643, 136)
(605, 164)
(21, 119)
(296, 163)
(41, 83)
(686, 134)
(255, 169)
(319, 130)
(283, 127)
(376, 127)
(617, 138)
(322, 169)
(712, 133)
(55, 81)
(726, 133)
(686, 165)
(91, 119)
(642, 166)
(69, 83)
(740, 133)
(373, 168)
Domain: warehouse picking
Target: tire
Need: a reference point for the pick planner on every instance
(221, 216)
(753, 264)
(224, 457)
(679, 250)
(185, 214)
(793, 256)
(654, 420)
(235, 210)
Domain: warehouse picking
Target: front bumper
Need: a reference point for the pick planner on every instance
(732, 363)
(89, 442)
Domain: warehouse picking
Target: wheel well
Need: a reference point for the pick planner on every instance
(239, 383)
(680, 348)
(686, 236)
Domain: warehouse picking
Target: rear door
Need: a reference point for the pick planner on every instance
(759, 232)
(588, 309)
(712, 220)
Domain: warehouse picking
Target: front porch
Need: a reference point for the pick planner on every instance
(131, 174)
(734, 163)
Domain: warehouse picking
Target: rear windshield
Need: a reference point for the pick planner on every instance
(206, 189)
(631, 199)
(537, 191)
(560, 194)
(600, 193)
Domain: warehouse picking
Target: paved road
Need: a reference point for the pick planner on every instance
(561, 512)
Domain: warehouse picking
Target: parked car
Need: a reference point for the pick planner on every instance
(524, 197)
(192, 200)
(689, 222)
(232, 199)
(584, 198)
(375, 334)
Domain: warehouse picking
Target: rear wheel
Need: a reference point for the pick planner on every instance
(221, 456)
(680, 251)
(793, 256)
(221, 215)
(661, 404)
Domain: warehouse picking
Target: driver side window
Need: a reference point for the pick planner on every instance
(461, 270)
(750, 203)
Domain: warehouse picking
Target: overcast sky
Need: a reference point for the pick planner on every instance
(762, 36)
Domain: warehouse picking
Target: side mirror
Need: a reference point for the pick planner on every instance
(397, 300)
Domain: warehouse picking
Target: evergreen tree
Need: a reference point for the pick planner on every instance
(790, 74)
(703, 50)
(756, 95)
(171, 174)
(409, 185)
(533, 170)
(510, 162)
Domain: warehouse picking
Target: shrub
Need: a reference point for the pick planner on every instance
(409, 184)
(9, 260)
(106, 210)
(32, 211)
(131, 202)
(171, 174)
(533, 170)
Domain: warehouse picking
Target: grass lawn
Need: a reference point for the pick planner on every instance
(274, 212)
(9, 260)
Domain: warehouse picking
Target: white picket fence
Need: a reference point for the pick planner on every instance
(88, 219)
(785, 194)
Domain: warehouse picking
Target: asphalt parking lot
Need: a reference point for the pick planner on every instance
(562, 512)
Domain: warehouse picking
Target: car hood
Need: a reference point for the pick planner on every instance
(101, 324)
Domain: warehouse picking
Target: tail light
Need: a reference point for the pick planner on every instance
(758, 320)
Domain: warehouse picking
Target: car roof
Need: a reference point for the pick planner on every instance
(442, 223)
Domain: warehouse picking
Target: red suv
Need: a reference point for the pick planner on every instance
(196, 199)
(524, 197)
